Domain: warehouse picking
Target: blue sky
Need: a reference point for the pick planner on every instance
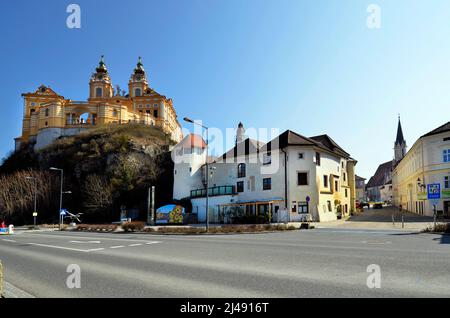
(310, 66)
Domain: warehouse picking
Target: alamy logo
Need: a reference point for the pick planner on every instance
(374, 279)
(74, 279)
(374, 18)
(74, 19)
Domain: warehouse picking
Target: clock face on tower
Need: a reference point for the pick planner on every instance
(138, 77)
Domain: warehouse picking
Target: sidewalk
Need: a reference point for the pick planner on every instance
(381, 220)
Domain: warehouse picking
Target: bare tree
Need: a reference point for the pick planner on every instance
(97, 193)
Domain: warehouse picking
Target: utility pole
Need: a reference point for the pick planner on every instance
(60, 194)
(151, 206)
(35, 198)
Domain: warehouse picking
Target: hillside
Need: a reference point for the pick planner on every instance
(104, 168)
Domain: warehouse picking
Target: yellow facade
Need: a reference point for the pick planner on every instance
(45, 110)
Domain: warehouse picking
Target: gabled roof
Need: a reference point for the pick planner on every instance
(246, 147)
(288, 138)
(441, 129)
(358, 178)
(379, 178)
(192, 141)
(43, 90)
(331, 145)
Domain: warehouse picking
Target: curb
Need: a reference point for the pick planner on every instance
(11, 291)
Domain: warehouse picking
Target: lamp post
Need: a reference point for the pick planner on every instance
(61, 192)
(186, 119)
(35, 198)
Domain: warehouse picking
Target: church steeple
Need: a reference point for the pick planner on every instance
(138, 82)
(100, 84)
(400, 143)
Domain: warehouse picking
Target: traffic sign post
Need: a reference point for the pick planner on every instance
(35, 214)
(434, 195)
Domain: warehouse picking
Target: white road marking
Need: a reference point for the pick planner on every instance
(155, 242)
(66, 248)
(8, 240)
(89, 242)
(139, 244)
(118, 246)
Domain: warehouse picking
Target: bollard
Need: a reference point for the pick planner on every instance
(403, 223)
(11, 229)
(1, 279)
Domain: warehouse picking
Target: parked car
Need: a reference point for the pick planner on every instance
(378, 205)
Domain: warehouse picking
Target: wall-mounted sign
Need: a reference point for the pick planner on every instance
(434, 191)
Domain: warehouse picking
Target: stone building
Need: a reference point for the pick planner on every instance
(48, 115)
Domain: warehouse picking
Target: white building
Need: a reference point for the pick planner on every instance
(427, 162)
(286, 179)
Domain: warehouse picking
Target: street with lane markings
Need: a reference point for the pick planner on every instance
(303, 263)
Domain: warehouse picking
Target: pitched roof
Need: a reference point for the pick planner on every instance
(381, 175)
(331, 145)
(246, 147)
(399, 139)
(191, 141)
(288, 138)
(441, 129)
(358, 178)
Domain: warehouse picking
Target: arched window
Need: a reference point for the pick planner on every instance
(98, 92)
(137, 92)
(46, 112)
(241, 170)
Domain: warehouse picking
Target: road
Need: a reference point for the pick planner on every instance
(302, 263)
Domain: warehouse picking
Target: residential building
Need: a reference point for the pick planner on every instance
(286, 179)
(427, 162)
(48, 115)
(360, 185)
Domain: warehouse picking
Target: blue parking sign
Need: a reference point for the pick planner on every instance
(434, 191)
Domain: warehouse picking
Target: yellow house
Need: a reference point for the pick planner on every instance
(48, 115)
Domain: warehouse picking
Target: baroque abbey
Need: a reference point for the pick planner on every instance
(48, 115)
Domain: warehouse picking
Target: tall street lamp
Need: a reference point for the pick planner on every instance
(206, 166)
(61, 193)
(35, 198)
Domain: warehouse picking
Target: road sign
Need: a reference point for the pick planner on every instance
(34, 213)
(63, 212)
(434, 202)
(434, 191)
(308, 198)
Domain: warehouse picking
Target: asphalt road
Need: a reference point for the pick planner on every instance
(305, 263)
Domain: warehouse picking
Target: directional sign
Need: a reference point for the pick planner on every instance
(434, 191)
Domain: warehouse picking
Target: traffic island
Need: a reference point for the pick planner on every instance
(140, 227)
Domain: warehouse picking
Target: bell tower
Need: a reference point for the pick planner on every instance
(400, 143)
(138, 82)
(100, 84)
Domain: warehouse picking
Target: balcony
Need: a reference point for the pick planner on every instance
(213, 192)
